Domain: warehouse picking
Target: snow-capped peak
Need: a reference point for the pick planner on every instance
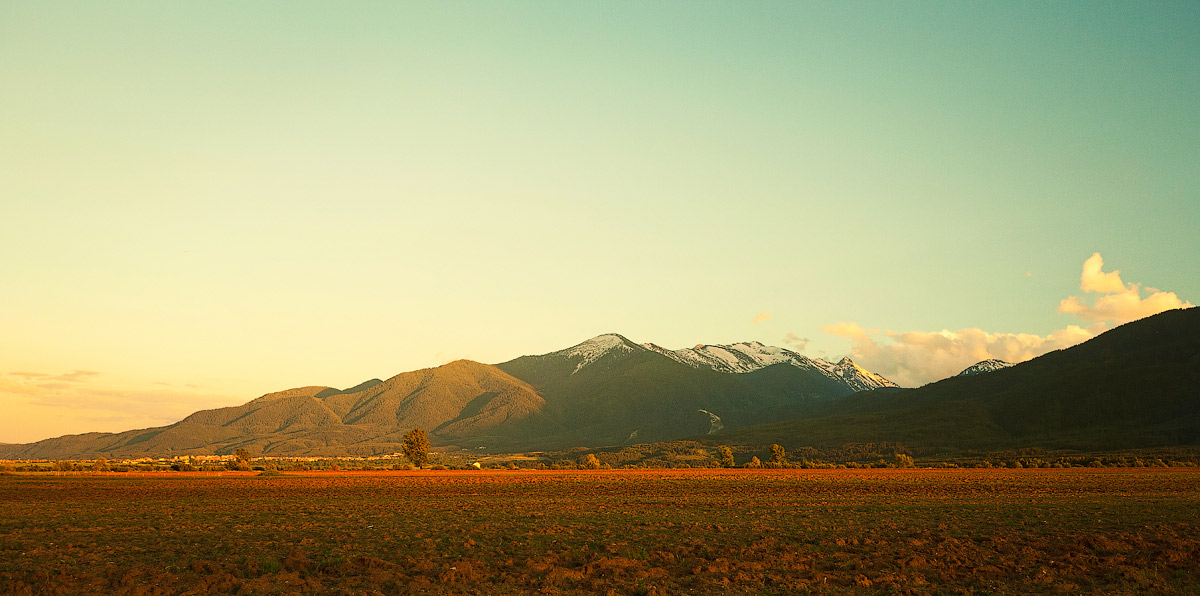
(859, 378)
(593, 349)
(734, 358)
(984, 367)
(750, 356)
(741, 357)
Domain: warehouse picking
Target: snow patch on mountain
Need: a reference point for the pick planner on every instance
(744, 357)
(595, 348)
(984, 366)
(734, 358)
(714, 422)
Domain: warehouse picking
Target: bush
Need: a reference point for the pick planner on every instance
(725, 455)
(778, 455)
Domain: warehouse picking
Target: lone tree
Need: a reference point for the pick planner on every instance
(240, 461)
(726, 456)
(777, 454)
(416, 447)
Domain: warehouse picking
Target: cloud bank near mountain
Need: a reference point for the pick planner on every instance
(915, 358)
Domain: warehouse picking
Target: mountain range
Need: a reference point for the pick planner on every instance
(604, 391)
(1135, 386)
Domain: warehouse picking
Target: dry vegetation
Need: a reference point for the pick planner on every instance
(651, 532)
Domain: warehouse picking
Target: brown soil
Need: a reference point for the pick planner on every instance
(645, 532)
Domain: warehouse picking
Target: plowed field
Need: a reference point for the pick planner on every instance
(643, 532)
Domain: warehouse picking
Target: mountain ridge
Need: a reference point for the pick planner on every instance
(603, 390)
(1134, 386)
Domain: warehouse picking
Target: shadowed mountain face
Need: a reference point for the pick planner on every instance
(1136, 386)
(609, 391)
(605, 391)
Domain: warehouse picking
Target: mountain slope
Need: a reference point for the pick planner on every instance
(454, 401)
(609, 390)
(1135, 386)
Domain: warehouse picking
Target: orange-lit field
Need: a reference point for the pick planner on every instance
(658, 532)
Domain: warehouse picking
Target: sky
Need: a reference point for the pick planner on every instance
(204, 202)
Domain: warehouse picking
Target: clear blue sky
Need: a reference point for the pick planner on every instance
(204, 202)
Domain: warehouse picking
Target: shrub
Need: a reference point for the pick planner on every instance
(725, 454)
(778, 455)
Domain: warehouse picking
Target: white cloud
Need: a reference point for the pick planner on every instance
(1118, 302)
(761, 317)
(917, 357)
(1094, 279)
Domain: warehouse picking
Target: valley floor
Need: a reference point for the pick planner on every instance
(1110, 531)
